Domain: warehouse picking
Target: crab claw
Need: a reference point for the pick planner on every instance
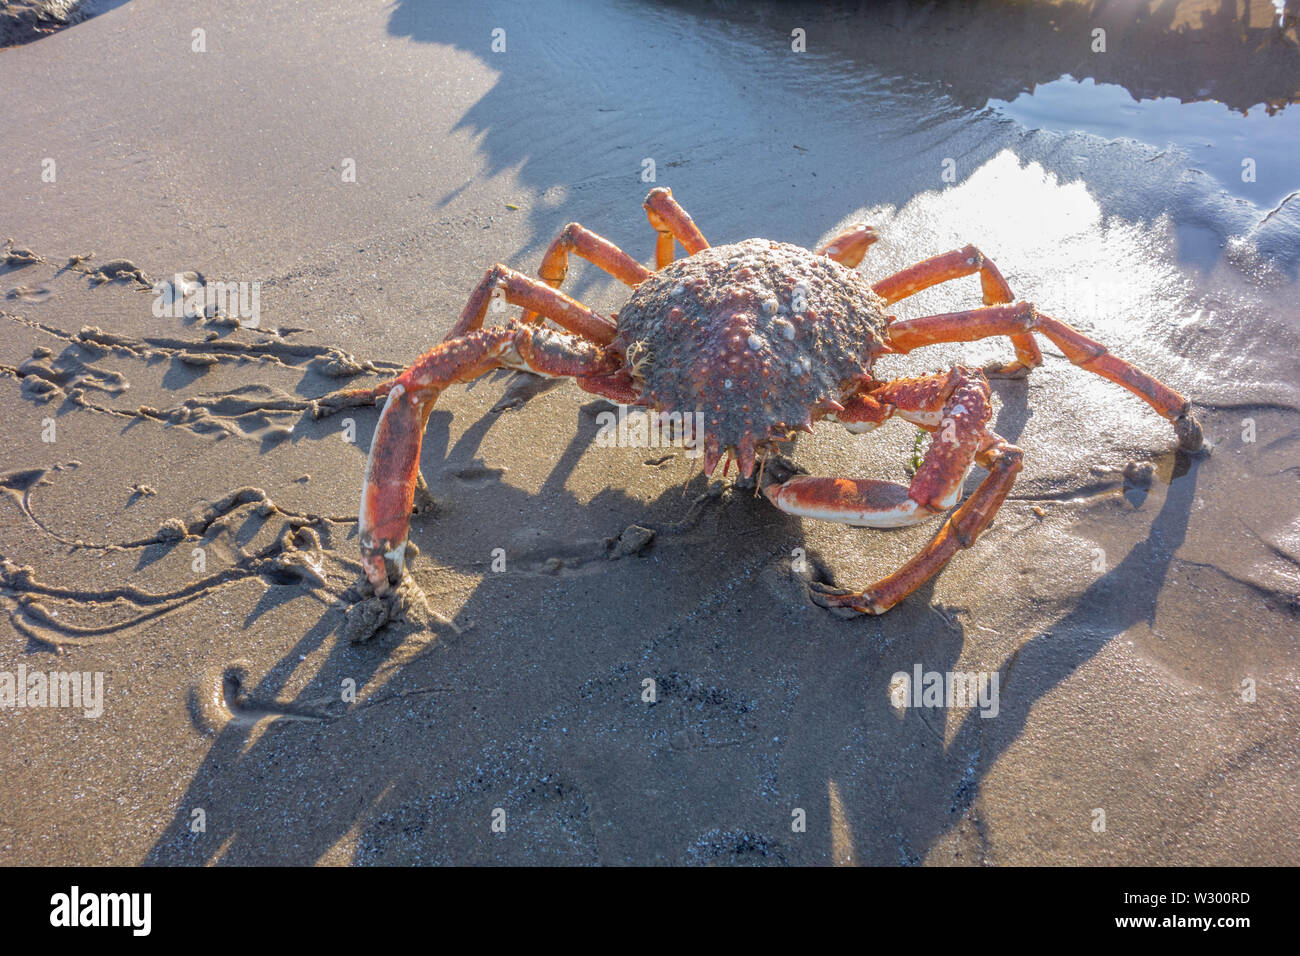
(859, 503)
(392, 470)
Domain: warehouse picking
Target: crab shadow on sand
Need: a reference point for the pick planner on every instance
(764, 702)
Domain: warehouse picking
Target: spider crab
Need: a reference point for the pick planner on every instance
(763, 339)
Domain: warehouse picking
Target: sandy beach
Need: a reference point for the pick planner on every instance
(179, 517)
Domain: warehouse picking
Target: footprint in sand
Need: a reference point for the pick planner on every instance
(27, 293)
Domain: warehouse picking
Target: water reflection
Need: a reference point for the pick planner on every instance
(1251, 154)
(1241, 54)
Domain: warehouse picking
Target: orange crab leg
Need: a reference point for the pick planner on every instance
(1023, 317)
(955, 406)
(954, 265)
(534, 295)
(850, 246)
(671, 221)
(393, 465)
(596, 249)
(516, 289)
(959, 531)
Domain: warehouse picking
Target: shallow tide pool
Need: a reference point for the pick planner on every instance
(1252, 155)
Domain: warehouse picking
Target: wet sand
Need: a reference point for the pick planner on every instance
(1121, 620)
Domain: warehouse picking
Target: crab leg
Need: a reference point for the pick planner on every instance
(954, 265)
(671, 221)
(850, 246)
(393, 465)
(518, 289)
(955, 406)
(596, 249)
(535, 296)
(1023, 317)
(959, 531)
